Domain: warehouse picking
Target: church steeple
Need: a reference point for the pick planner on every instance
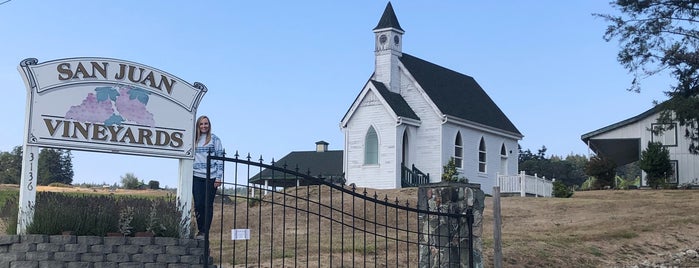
(388, 39)
(388, 32)
(388, 19)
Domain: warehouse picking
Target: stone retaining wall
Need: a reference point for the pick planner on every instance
(58, 251)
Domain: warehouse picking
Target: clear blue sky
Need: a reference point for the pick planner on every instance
(281, 74)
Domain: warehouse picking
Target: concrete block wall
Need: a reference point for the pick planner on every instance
(57, 251)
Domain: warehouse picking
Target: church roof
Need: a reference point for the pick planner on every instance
(396, 101)
(388, 19)
(456, 94)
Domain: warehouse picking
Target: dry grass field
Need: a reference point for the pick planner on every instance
(103, 191)
(596, 228)
(610, 228)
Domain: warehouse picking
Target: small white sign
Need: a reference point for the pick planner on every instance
(240, 234)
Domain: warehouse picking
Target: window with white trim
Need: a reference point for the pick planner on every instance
(664, 133)
(371, 147)
(481, 156)
(458, 151)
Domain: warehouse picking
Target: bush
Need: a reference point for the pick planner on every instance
(8, 213)
(450, 173)
(154, 185)
(98, 215)
(625, 184)
(589, 184)
(130, 181)
(603, 169)
(561, 190)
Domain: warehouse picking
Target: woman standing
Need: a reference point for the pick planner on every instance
(206, 143)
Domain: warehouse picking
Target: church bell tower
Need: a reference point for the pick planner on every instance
(388, 38)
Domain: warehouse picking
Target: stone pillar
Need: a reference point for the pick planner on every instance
(444, 240)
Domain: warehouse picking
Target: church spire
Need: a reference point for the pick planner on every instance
(389, 19)
(388, 42)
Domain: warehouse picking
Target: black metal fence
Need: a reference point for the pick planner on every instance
(318, 223)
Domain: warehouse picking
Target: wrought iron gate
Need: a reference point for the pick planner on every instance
(311, 222)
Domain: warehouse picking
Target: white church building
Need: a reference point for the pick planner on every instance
(412, 112)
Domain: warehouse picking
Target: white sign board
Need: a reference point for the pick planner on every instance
(109, 105)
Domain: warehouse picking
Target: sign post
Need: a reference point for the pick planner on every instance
(109, 106)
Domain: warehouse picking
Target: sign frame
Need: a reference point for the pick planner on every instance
(107, 105)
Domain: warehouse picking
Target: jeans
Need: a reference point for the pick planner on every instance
(203, 209)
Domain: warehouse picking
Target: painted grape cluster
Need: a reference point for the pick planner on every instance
(131, 104)
(91, 110)
(98, 107)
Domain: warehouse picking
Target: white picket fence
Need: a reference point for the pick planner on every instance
(524, 185)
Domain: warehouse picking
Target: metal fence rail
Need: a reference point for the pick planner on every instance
(317, 224)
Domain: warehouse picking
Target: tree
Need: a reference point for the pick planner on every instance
(577, 175)
(603, 169)
(528, 155)
(655, 161)
(55, 165)
(450, 173)
(153, 185)
(11, 166)
(567, 172)
(130, 181)
(657, 37)
(629, 171)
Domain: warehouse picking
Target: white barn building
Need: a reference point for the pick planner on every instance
(412, 112)
(624, 141)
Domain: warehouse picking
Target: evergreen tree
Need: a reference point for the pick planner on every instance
(661, 37)
(67, 173)
(578, 163)
(569, 171)
(655, 161)
(603, 169)
(11, 166)
(55, 165)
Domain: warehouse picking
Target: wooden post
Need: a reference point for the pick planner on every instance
(497, 239)
(27, 191)
(184, 195)
(522, 184)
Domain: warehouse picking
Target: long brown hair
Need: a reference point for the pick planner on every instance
(208, 134)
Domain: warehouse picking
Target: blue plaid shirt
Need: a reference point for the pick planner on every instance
(200, 154)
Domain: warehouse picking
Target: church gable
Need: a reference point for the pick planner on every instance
(376, 93)
(371, 115)
(370, 99)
